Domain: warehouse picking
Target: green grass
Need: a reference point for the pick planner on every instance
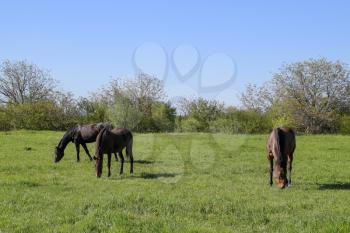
(182, 183)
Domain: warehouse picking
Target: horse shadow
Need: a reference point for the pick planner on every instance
(145, 175)
(142, 161)
(334, 186)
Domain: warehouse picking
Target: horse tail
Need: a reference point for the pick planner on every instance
(129, 145)
(99, 138)
(129, 152)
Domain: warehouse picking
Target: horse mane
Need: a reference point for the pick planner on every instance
(67, 137)
(99, 141)
(279, 145)
(102, 125)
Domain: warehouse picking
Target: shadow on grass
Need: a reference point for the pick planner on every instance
(23, 184)
(334, 186)
(142, 161)
(157, 175)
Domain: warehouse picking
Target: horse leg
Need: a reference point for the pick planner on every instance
(271, 171)
(121, 161)
(115, 156)
(121, 153)
(270, 158)
(77, 147)
(129, 154)
(86, 150)
(109, 164)
(290, 161)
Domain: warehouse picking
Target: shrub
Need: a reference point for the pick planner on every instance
(188, 125)
(343, 125)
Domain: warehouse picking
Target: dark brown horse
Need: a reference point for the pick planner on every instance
(80, 135)
(280, 147)
(112, 141)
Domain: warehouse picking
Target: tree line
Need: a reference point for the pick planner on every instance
(312, 96)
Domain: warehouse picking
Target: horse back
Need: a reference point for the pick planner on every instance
(89, 132)
(110, 141)
(122, 137)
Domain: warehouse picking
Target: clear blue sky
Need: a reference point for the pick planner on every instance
(85, 43)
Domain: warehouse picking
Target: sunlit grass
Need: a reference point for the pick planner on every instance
(182, 183)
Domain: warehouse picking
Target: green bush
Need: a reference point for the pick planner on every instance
(5, 123)
(249, 121)
(163, 117)
(343, 125)
(232, 121)
(188, 125)
(91, 111)
(282, 121)
(224, 125)
(35, 116)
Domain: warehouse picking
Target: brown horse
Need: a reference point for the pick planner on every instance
(280, 147)
(80, 135)
(112, 141)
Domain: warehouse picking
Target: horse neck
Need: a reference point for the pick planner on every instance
(67, 138)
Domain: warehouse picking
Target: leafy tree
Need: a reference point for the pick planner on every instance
(316, 91)
(163, 116)
(309, 95)
(201, 111)
(91, 111)
(123, 113)
(144, 90)
(138, 104)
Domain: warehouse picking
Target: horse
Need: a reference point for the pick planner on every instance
(280, 147)
(112, 141)
(80, 134)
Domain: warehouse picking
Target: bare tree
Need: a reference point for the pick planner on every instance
(131, 100)
(258, 98)
(23, 82)
(144, 90)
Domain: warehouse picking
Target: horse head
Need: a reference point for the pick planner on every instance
(59, 153)
(280, 173)
(98, 165)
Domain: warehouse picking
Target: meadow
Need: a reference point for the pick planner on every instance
(182, 183)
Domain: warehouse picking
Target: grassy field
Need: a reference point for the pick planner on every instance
(182, 183)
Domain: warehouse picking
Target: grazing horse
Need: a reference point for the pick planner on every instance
(112, 141)
(280, 147)
(80, 135)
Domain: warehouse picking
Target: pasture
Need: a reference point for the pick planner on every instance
(181, 183)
